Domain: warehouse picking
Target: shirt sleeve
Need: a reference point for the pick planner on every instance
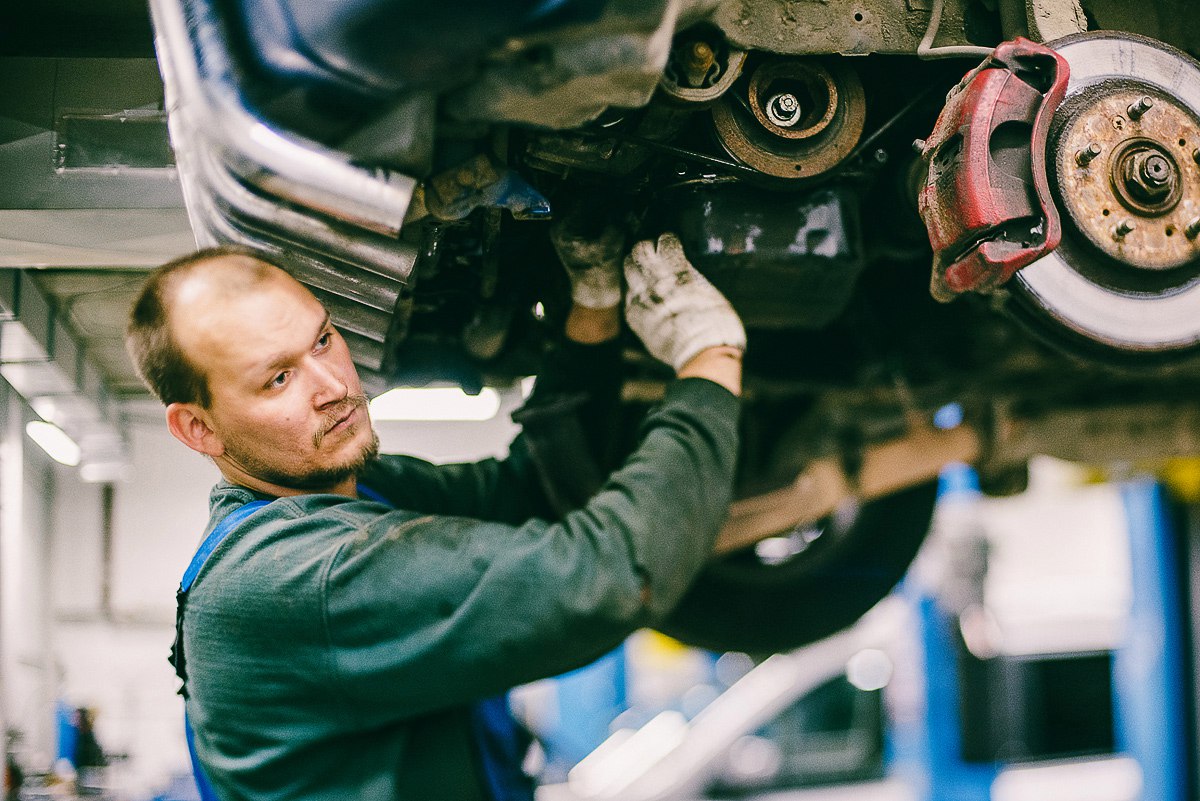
(430, 611)
(509, 490)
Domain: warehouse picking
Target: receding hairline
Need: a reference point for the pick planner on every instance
(223, 276)
(210, 275)
(214, 276)
(248, 267)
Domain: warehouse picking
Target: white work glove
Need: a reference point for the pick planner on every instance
(672, 308)
(592, 265)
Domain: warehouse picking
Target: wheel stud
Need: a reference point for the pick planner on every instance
(1193, 228)
(1143, 104)
(1124, 227)
(1084, 157)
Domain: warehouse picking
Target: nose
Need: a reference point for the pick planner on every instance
(329, 385)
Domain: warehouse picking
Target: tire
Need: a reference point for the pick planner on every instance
(743, 603)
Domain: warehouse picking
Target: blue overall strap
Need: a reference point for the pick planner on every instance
(502, 746)
(214, 539)
(222, 529)
(500, 742)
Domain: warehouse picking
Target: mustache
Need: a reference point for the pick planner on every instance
(332, 416)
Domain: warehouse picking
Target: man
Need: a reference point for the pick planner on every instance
(339, 639)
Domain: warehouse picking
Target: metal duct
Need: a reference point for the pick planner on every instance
(331, 222)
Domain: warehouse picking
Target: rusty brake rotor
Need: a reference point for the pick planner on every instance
(1124, 157)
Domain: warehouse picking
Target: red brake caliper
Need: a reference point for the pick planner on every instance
(986, 199)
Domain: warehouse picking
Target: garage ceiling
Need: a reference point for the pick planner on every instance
(90, 199)
(95, 305)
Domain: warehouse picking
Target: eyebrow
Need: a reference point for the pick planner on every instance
(283, 359)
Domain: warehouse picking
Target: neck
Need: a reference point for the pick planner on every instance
(234, 474)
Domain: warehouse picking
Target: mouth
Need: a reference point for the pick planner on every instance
(342, 421)
(345, 421)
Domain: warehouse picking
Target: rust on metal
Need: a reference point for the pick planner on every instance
(824, 134)
(810, 84)
(1134, 199)
(824, 485)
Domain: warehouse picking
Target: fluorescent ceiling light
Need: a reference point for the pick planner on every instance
(435, 403)
(54, 441)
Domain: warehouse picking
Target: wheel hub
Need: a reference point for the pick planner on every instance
(1124, 158)
(1127, 178)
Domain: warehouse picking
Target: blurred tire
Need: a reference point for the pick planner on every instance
(806, 584)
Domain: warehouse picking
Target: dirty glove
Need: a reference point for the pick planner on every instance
(672, 308)
(593, 264)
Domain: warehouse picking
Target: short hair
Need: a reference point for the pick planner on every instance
(161, 363)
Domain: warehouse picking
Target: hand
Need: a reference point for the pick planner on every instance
(592, 263)
(672, 308)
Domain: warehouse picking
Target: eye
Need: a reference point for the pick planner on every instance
(279, 380)
(324, 340)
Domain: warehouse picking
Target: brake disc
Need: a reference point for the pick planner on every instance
(1124, 158)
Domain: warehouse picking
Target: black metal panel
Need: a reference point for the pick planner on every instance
(785, 260)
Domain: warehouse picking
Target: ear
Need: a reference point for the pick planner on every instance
(188, 423)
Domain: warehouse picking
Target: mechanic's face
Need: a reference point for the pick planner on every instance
(287, 407)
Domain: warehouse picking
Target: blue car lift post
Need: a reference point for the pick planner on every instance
(1155, 718)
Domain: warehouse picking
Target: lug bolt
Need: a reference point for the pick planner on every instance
(919, 146)
(1124, 227)
(1143, 104)
(1193, 228)
(1084, 157)
(1196, 155)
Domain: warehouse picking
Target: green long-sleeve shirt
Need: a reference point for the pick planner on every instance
(334, 644)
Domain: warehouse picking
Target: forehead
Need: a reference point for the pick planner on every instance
(226, 316)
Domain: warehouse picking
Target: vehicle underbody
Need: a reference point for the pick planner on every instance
(406, 163)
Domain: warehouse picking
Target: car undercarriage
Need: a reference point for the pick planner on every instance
(406, 163)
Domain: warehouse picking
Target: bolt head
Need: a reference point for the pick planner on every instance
(783, 109)
(1148, 176)
(1156, 170)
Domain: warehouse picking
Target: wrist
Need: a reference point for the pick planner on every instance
(721, 364)
(589, 326)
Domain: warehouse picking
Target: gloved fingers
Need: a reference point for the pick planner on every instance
(671, 256)
(636, 278)
(674, 310)
(578, 252)
(592, 263)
